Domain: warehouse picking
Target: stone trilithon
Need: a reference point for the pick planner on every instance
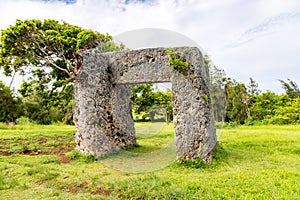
(102, 113)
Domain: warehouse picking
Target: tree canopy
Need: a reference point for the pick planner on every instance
(151, 102)
(291, 88)
(10, 107)
(47, 43)
(47, 52)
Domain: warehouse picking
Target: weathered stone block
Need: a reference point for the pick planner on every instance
(102, 114)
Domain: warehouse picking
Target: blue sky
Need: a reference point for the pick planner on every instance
(257, 38)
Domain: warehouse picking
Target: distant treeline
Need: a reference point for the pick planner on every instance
(232, 102)
(47, 52)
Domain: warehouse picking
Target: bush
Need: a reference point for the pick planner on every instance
(251, 122)
(74, 155)
(280, 120)
(23, 121)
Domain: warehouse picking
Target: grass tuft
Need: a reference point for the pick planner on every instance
(86, 158)
(195, 164)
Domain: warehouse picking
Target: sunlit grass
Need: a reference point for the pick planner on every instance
(258, 162)
(23, 131)
(152, 136)
(154, 150)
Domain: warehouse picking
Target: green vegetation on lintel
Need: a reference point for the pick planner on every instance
(177, 63)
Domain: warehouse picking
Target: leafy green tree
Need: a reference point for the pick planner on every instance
(236, 108)
(266, 104)
(47, 52)
(35, 110)
(110, 46)
(290, 112)
(45, 49)
(291, 88)
(10, 106)
(146, 100)
(45, 44)
(252, 87)
(142, 96)
(164, 99)
(249, 98)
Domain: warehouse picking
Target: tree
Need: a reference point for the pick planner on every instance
(291, 88)
(142, 97)
(290, 112)
(217, 89)
(164, 99)
(236, 108)
(266, 104)
(252, 87)
(10, 106)
(146, 100)
(47, 50)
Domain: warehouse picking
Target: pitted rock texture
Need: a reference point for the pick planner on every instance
(102, 113)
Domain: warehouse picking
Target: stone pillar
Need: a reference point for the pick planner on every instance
(193, 122)
(97, 102)
(123, 132)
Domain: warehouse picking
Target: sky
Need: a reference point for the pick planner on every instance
(257, 38)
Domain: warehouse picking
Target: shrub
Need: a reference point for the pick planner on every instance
(280, 120)
(23, 121)
(251, 122)
(74, 155)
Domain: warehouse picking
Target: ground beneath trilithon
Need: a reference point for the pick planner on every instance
(252, 162)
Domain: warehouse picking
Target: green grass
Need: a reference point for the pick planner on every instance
(252, 162)
(155, 149)
(39, 139)
(152, 136)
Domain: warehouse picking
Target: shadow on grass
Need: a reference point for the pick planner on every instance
(138, 162)
(135, 161)
(221, 156)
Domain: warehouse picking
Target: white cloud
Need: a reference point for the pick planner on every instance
(256, 38)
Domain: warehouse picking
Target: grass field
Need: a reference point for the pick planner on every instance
(255, 162)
